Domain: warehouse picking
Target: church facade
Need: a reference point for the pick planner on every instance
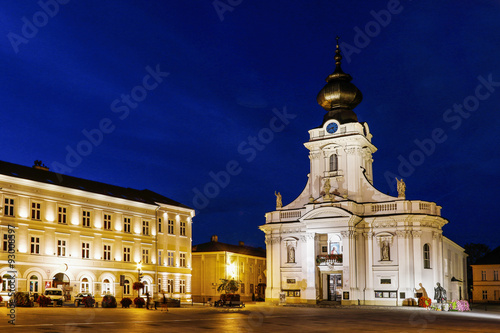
(343, 240)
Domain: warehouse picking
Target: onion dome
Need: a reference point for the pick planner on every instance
(339, 96)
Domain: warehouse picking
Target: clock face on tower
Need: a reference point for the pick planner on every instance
(332, 128)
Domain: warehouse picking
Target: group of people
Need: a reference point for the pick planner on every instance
(163, 303)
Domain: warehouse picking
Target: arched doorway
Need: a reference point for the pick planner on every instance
(61, 281)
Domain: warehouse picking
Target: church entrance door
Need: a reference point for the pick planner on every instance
(334, 286)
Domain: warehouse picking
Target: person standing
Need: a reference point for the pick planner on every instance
(147, 301)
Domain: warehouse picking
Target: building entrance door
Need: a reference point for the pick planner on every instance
(334, 286)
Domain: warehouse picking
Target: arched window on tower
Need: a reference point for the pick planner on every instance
(333, 162)
(427, 256)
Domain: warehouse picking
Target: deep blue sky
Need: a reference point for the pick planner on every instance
(225, 78)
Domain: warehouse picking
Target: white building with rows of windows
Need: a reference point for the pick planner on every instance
(82, 236)
(343, 240)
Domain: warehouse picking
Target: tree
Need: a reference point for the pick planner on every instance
(475, 252)
(228, 286)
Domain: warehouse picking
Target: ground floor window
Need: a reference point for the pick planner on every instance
(292, 293)
(386, 294)
(106, 287)
(34, 284)
(485, 294)
(182, 286)
(85, 286)
(170, 286)
(126, 287)
(5, 282)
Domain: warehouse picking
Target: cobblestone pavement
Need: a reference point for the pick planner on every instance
(253, 318)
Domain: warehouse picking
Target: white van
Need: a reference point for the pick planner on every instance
(56, 296)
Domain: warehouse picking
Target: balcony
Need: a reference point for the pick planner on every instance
(329, 259)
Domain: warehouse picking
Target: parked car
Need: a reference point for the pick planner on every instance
(79, 297)
(56, 296)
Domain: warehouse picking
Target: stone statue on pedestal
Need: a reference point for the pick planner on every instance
(401, 188)
(279, 203)
(440, 294)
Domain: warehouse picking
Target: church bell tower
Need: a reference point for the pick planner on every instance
(340, 149)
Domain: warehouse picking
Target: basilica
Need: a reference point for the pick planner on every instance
(343, 241)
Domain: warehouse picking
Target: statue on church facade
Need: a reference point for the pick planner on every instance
(440, 294)
(385, 251)
(279, 203)
(291, 253)
(401, 187)
(326, 188)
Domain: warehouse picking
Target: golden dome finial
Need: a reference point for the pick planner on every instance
(339, 96)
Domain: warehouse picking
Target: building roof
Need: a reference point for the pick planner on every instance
(492, 258)
(215, 246)
(42, 175)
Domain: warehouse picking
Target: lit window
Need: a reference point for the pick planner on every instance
(170, 286)
(485, 294)
(159, 225)
(170, 258)
(126, 254)
(182, 286)
(182, 230)
(85, 286)
(171, 229)
(34, 284)
(160, 262)
(86, 218)
(61, 215)
(182, 260)
(145, 256)
(35, 245)
(107, 252)
(145, 228)
(126, 287)
(107, 221)
(5, 243)
(9, 207)
(61, 248)
(333, 162)
(483, 275)
(86, 250)
(427, 256)
(106, 287)
(35, 210)
(126, 224)
(495, 275)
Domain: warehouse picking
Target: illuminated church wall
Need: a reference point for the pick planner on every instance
(351, 242)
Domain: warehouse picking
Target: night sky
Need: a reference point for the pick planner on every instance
(173, 93)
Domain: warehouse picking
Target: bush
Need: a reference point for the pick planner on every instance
(139, 302)
(88, 301)
(109, 301)
(22, 299)
(138, 285)
(43, 300)
(461, 305)
(125, 302)
(424, 302)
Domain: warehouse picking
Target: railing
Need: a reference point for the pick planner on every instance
(329, 259)
(290, 214)
(384, 207)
